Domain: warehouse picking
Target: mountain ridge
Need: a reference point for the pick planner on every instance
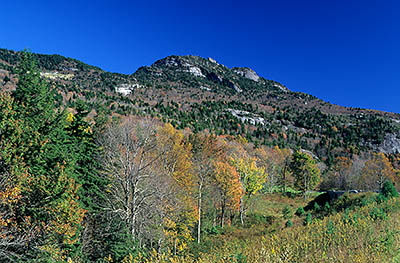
(200, 93)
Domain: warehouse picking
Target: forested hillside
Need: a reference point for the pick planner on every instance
(188, 161)
(201, 94)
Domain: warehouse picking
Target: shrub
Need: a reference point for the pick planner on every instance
(287, 212)
(308, 219)
(327, 207)
(240, 258)
(388, 190)
(316, 207)
(215, 230)
(257, 219)
(289, 223)
(300, 211)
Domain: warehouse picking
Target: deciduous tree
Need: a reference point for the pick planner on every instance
(229, 188)
(305, 172)
(377, 171)
(251, 177)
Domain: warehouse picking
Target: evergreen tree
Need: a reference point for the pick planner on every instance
(49, 193)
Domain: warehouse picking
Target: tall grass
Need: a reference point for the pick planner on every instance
(366, 234)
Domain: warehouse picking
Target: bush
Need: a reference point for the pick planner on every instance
(388, 190)
(308, 220)
(289, 223)
(316, 207)
(290, 195)
(327, 207)
(215, 230)
(240, 258)
(287, 212)
(300, 211)
(257, 219)
(377, 214)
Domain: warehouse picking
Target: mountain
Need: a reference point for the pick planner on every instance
(200, 93)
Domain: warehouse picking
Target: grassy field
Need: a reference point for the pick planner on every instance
(355, 228)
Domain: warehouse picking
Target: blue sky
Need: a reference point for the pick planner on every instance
(345, 52)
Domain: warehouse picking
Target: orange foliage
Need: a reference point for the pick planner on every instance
(376, 171)
(228, 184)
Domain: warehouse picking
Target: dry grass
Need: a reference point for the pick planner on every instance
(367, 234)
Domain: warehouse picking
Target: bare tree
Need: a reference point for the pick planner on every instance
(129, 156)
(206, 149)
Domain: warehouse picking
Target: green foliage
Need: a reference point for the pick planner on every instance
(300, 211)
(388, 190)
(59, 158)
(316, 207)
(50, 152)
(327, 207)
(287, 212)
(305, 172)
(308, 219)
(254, 219)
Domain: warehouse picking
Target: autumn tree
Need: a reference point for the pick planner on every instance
(340, 175)
(377, 171)
(227, 182)
(252, 179)
(128, 156)
(305, 172)
(207, 148)
(151, 187)
(177, 171)
(276, 162)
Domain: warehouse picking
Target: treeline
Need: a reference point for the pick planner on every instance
(98, 190)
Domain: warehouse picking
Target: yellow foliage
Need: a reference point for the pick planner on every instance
(70, 117)
(344, 238)
(228, 184)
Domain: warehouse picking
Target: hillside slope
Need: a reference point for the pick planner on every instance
(199, 93)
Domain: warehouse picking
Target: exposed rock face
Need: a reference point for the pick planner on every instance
(281, 87)
(196, 71)
(212, 60)
(245, 116)
(181, 65)
(56, 75)
(205, 88)
(171, 62)
(391, 144)
(236, 88)
(247, 73)
(126, 89)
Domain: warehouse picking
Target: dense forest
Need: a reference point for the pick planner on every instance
(172, 185)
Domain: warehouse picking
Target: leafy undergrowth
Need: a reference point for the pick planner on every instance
(356, 228)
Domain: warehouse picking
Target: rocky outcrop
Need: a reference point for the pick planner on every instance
(245, 116)
(391, 144)
(126, 89)
(196, 71)
(247, 73)
(281, 87)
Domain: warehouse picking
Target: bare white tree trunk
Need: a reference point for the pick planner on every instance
(199, 210)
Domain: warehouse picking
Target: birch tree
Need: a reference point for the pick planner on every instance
(206, 149)
(129, 154)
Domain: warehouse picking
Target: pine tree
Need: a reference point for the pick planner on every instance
(49, 194)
